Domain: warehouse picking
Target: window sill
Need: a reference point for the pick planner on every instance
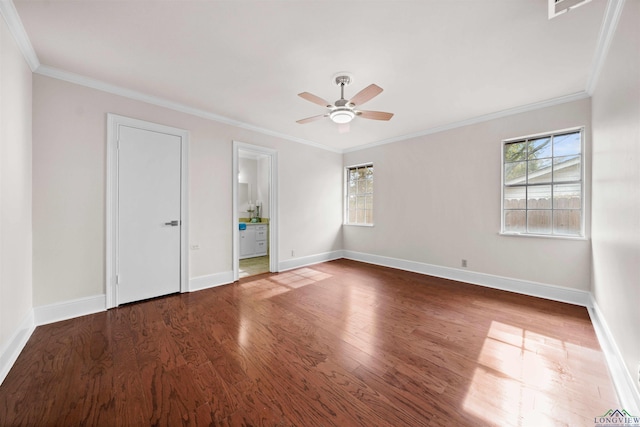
(358, 225)
(544, 236)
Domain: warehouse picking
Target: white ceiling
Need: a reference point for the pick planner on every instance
(439, 62)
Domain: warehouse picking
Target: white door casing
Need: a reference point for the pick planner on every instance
(273, 204)
(146, 210)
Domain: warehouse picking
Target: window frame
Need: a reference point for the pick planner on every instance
(347, 169)
(582, 181)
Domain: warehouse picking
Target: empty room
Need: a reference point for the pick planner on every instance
(320, 213)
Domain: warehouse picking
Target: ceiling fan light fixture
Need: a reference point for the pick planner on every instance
(342, 115)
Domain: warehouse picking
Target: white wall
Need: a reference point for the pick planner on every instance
(616, 189)
(69, 140)
(437, 201)
(15, 192)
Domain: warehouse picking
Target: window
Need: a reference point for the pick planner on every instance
(542, 191)
(359, 194)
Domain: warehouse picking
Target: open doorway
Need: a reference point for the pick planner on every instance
(255, 210)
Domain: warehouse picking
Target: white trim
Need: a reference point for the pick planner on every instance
(607, 31)
(15, 344)
(625, 386)
(65, 310)
(525, 287)
(584, 194)
(628, 393)
(310, 260)
(475, 120)
(154, 100)
(114, 121)
(573, 4)
(78, 79)
(210, 281)
(345, 194)
(14, 23)
(273, 205)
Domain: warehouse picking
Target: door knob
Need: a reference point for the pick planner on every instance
(173, 223)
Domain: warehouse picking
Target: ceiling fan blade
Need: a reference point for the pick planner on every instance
(366, 94)
(315, 99)
(375, 115)
(311, 119)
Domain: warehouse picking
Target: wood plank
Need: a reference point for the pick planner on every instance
(336, 344)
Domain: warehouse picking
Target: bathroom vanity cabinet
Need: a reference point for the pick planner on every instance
(254, 240)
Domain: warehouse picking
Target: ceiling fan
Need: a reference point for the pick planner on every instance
(343, 111)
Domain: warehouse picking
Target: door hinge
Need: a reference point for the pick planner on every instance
(117, 279)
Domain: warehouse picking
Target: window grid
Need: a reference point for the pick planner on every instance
(543, 185)
(359, 195)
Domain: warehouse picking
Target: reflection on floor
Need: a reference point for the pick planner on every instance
(253, 266)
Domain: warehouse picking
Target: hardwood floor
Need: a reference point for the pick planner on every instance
(335, 344)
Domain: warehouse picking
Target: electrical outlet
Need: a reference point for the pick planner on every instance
(464, 263)
(293, 253)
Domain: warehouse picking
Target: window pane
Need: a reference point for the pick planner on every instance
(515, 198)
(352, 203)
(542, 185)
(359, 194)
(540, 148)
(539, 222)
(515, 151)
(567, 196)
(566, 168)
(369, 172)
(352, 215)
(567, 144)
(539, 171)
(369, 216)
(515, 221)
(567, 222)
(539, 197)
(515, 173)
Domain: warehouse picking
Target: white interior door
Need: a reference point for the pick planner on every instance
(149, 222)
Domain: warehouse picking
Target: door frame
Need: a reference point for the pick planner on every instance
(273, 204)
(114, 122)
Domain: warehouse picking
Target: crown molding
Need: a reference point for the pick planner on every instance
(11, 17)
(161, 102)
(474, 120)
(607, 31)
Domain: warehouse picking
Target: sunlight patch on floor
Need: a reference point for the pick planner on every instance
(518, 370)
(268, 287)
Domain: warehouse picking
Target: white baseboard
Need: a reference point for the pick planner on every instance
(16, 343)
(555, 293)
(69, 309)
(625, 386)
(290, 264)
(210, 280)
